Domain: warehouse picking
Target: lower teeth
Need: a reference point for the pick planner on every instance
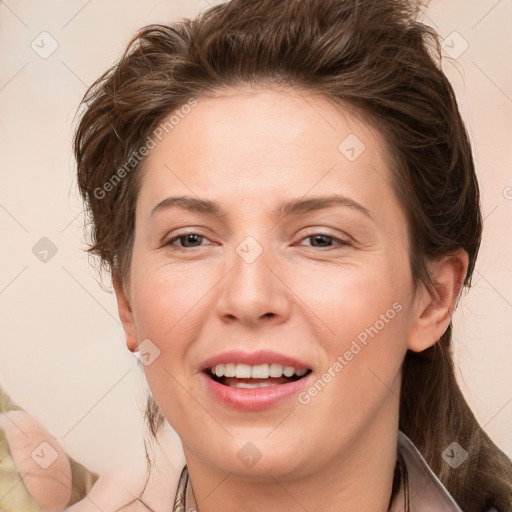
(250, 386)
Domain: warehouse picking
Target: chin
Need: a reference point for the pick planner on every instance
(256, 458)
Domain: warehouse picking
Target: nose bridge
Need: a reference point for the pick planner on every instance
(251, 289)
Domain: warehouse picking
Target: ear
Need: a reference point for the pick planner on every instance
(434, 306)
(125, 312)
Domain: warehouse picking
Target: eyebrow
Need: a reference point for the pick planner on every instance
(292, 207)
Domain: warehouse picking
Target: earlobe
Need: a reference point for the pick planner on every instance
(125, 312)
(434, 307)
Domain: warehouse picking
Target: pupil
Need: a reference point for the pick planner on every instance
(317, 237)
(191, 236)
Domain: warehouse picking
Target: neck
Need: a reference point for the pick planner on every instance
(357, 478)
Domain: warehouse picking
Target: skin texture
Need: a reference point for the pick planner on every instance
(249, 150)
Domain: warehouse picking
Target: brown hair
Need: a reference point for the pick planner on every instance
(374, 56)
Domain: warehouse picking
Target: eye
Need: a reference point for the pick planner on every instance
(322, 237)
(188, 240)
(192, 240)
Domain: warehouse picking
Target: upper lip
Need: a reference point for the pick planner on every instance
(253, 359)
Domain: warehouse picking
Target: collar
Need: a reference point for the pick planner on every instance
(422, 489)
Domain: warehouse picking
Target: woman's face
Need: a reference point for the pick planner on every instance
(324, 289)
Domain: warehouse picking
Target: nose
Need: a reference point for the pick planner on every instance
(253, 291)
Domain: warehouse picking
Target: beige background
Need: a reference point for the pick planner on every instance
(62, 352)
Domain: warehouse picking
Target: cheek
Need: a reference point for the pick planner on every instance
(169, 306)
(367, 314)
(362, 368)
(354, 303)
(372, 339)
(167, 301)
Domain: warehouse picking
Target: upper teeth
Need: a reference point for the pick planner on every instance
(261, 371)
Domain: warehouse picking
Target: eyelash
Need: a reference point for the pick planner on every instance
(342, 243)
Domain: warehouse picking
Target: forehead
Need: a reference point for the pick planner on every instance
(252, 143)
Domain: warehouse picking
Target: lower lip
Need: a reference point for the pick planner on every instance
(254, 399)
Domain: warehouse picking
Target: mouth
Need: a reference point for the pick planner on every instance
(237, 375)
(254, 381)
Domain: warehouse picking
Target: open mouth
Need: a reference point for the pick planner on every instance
(259, 376)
